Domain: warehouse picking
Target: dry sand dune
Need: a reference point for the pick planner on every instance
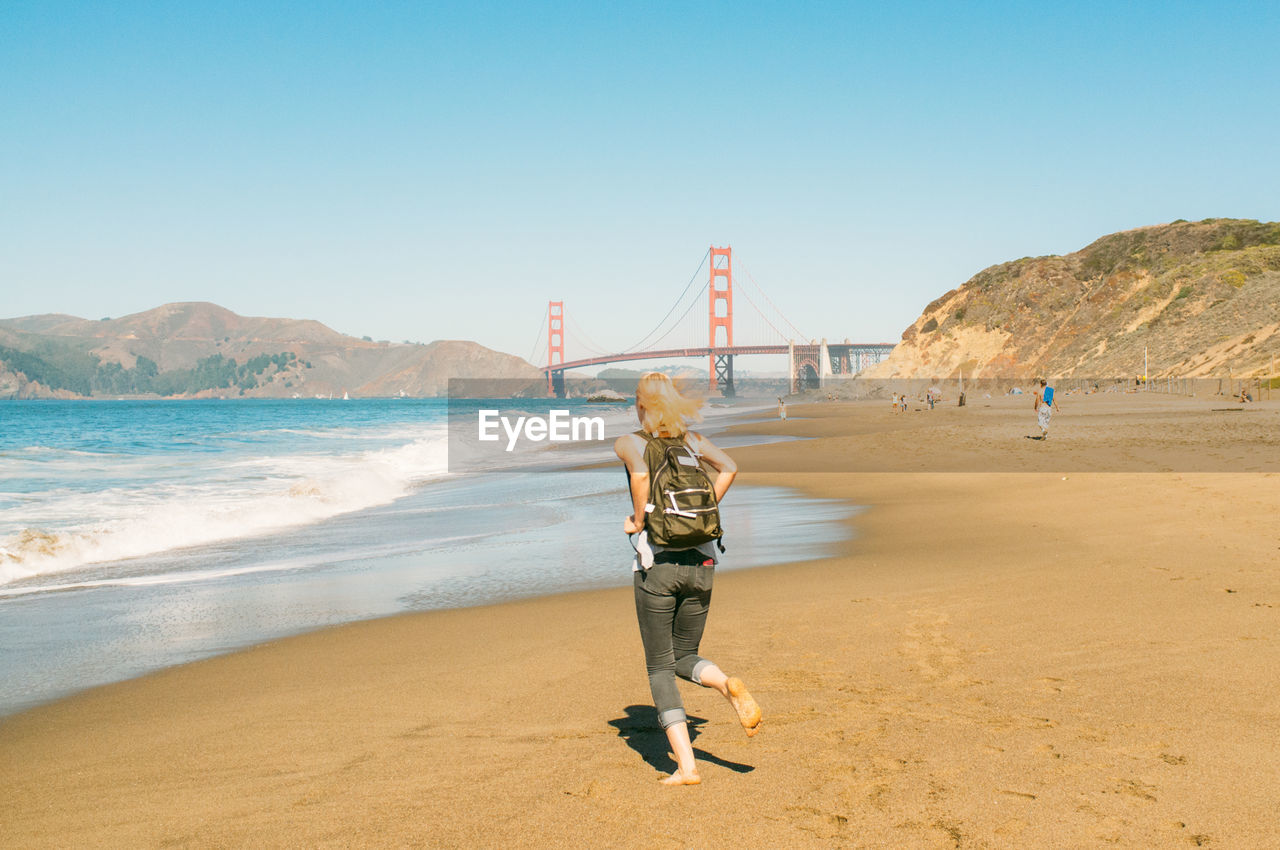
(994, 660)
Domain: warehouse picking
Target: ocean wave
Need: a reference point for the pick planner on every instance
(363, 433)
(147, 580)
(305, 490)
(40, 452)
(190, 576)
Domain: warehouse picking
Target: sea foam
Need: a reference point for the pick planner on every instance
(246, 498)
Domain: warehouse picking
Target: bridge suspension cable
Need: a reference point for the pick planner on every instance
(580, 338)
(781, 335)
(697, 301)
(766, 297)
(542, 326)
(674, 306)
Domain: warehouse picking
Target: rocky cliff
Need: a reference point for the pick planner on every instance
(1202, 298)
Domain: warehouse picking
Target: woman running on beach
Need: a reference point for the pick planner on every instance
(674, 594)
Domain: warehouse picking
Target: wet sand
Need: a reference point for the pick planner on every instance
(996, 659)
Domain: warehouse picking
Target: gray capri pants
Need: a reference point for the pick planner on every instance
(672, 600)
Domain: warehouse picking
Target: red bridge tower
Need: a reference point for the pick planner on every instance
(720, 292)
(555, 347)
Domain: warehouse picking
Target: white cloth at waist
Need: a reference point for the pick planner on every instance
(645, 551)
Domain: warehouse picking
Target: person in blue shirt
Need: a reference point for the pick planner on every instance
(1045, 405)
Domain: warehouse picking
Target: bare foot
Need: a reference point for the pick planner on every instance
(679, 778)
(749, 713)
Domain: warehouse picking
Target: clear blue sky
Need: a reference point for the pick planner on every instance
(428, 170)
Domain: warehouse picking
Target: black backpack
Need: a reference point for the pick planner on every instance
(682, 509)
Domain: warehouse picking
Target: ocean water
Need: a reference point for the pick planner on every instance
(136, 535)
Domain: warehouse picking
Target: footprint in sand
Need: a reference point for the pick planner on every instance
(1011, 828)
(824, 824)
(929, 648)
(591, 789)
(1134, 788)
(1052, 683)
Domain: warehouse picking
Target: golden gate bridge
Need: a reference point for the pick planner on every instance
(679, 335)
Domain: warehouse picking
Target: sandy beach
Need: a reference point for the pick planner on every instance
(1076, 655)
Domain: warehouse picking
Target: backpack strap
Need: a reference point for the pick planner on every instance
(648, 505)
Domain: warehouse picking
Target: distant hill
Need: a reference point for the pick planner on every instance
(198, 349)
(615, 373)
(1202, 297)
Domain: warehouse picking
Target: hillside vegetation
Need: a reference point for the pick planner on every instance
(1203, 299)
(201, 349)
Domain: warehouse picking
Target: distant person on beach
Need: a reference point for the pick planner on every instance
(1045, 405)
(673, 586)
(782, 409)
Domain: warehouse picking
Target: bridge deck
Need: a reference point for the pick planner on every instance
(707, 351)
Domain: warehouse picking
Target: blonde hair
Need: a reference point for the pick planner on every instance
(663, 407)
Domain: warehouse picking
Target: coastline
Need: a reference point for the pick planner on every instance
(994, 658)
(431, 541)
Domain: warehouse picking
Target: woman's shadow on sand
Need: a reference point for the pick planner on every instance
(640, 729)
